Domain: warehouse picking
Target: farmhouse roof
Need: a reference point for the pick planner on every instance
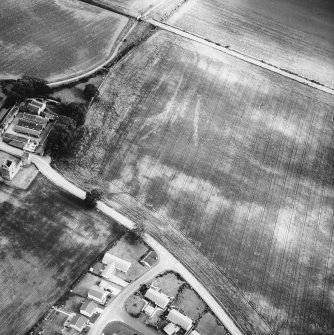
(121, 264)
(78, 322)
(160, 299)
(179, 319)
(88, 307)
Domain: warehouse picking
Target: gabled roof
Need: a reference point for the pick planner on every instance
(171, 329)
(89, 307)
(108, 270)
(97, 292)
(78, 322)
(179, 319)
(160, 299)
(120, 263)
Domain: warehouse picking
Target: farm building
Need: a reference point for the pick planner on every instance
(160, 299)
(109, 287)
(12, 140)
(8, 119)
(36, 107)
(88, 308)
(10, 168)
(29, 127)
(34, 118)
(78, 322)
(109, 270)
(171, 329)
(98, 294)
(179, 319)
(120, 264)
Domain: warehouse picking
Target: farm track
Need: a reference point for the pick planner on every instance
(215, 45)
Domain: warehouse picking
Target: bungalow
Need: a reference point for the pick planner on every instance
(160, 299)
(98, 294)
(109, 270)
(78, 322)
(120, 264)
(179, 319)
(88, 308)
(171, 329)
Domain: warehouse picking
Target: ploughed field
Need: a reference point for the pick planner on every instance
(46, 241)
(234, 156)
(290, 34)
(55, 39)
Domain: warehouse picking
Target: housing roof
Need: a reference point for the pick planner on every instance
(78, 322)
(8, 136)
(120, 263)
(97, 292)
(108, 270)
(195, 332)
(179, 319)
(89, 307)
(160, 299)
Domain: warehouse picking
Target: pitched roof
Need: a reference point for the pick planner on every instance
(89, 307)
(179, 319)
(78, 322)
(97, 292)
(171, 328)
(108, 270)
(160, 299)
(120, 263)
(195, 332)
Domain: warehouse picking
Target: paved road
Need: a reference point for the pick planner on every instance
(166, 260)
(116, 312)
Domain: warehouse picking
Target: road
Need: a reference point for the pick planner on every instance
(166, 260)
(116, 312)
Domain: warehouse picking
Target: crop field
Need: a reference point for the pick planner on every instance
(237, 158)
(290, 34)
(46, 242)
(55, 39)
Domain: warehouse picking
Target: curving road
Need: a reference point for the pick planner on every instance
(166, 260)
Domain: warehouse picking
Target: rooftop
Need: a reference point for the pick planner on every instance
(179, 319)
(160, 299)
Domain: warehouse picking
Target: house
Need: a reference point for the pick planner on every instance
(179, 319)
(98, 294)
(36, 107)
(109, 270)
(160, 299)
(10, 168)
(110, 288)
(88, 308)
(171, 329)
(120, 264)
(78, 322)
(195, 332)
(149, 259)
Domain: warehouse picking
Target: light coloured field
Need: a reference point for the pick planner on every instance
(46, 242)
(293, 35)
(238, 159)
(55, 39)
